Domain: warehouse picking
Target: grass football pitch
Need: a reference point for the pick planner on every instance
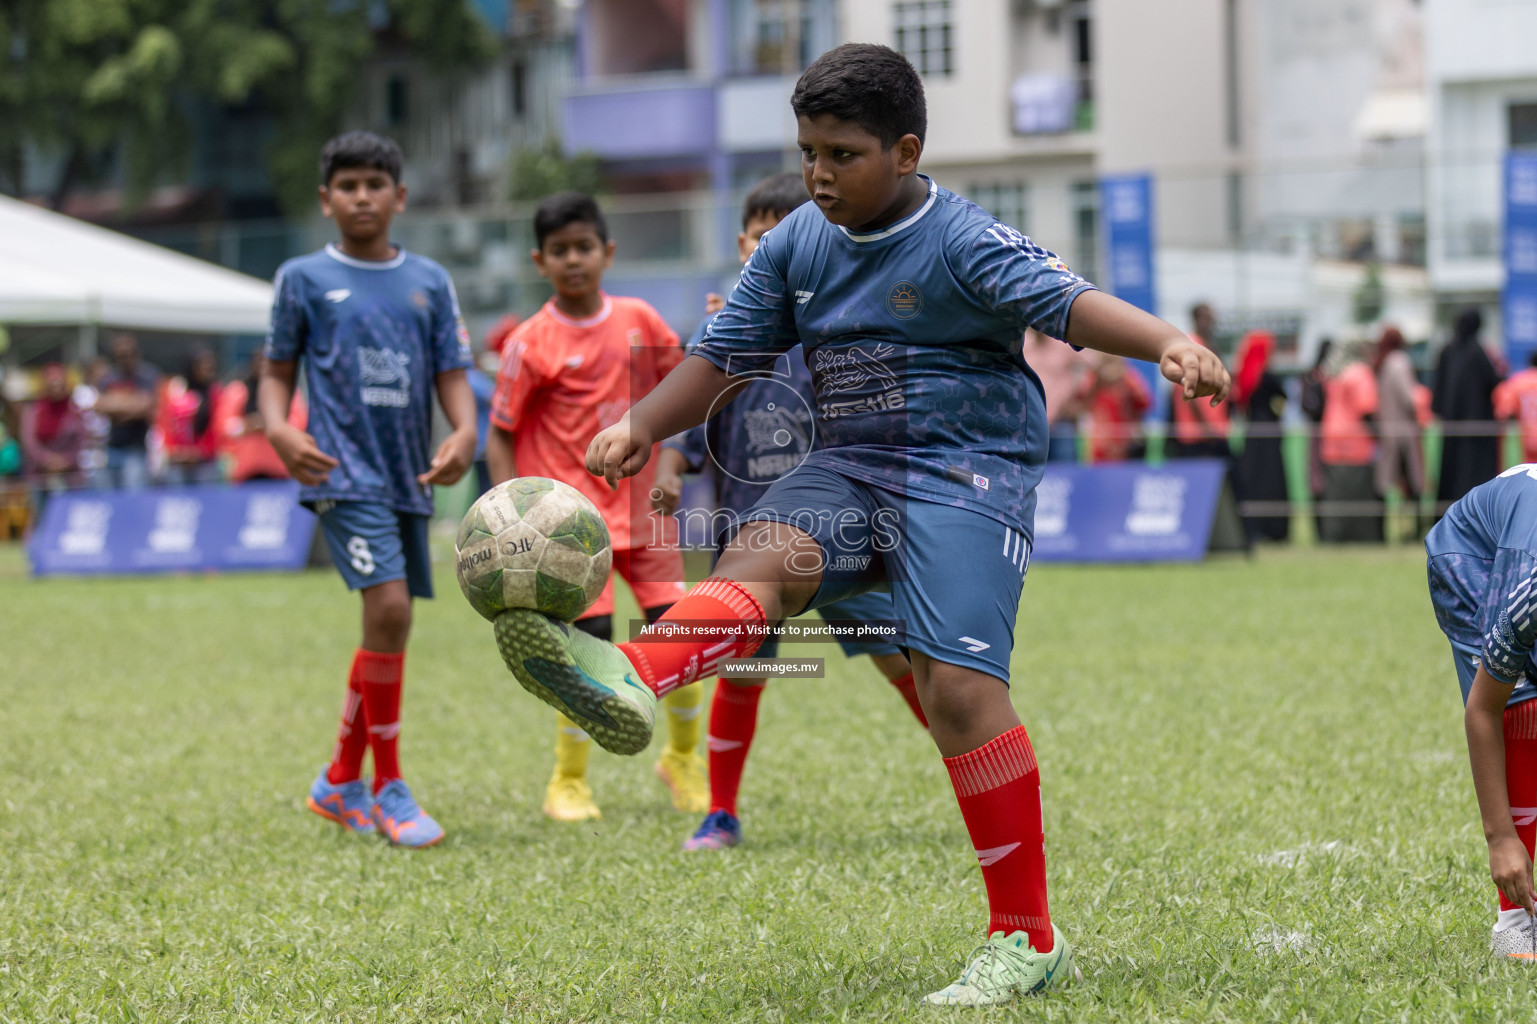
(1257, 808)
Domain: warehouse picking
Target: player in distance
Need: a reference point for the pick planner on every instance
(1483, 585)
(911, 303)
(377, 329)
(762, 436)
(569, 370)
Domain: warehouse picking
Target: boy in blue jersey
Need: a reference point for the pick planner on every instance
(378, 329)
(1483, 585)
(911, 304)
(763, 436)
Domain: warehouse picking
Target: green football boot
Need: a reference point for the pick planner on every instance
(1006, 966)
(587, 679)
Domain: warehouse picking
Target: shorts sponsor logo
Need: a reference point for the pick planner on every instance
(973, 644)
(904, 300)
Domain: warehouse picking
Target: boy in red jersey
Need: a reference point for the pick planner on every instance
(567, 372)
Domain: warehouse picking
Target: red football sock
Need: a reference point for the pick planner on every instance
(716, 615)
(352, 737)
(380, 676)
(733, 719)
(1521, 775)
(999, 790)
(909, 691)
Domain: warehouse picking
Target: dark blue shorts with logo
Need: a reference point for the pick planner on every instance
(371, 543)
(954, 575)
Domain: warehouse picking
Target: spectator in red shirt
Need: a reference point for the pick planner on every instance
(52, 436)
(244, 439)
(1348, 450)
(1117, 399)
(1198, 429)
(1516, 399)
(187, 424)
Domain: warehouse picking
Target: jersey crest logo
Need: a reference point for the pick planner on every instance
(904, 301)
(420, 299)
(338, 295)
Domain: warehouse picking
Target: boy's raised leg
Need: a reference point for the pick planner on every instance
(611, 691)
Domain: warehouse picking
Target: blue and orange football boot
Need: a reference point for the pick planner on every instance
(349, 804)
(719, 830)
(402, 821)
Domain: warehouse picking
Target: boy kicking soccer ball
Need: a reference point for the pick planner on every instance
(569, 370)
(1483, 584)
(763, 436)
(377, 328)
(912, 304)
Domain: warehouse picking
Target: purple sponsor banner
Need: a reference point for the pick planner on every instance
(180, 529)
(1126, 511)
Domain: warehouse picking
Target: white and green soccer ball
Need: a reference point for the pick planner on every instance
(533, 542)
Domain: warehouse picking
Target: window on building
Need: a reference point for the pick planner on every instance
(781, 36)
(925, 35)
(397, 105)
(1005, 200)
(1522, 118)
(1086, 229)
(519, 83)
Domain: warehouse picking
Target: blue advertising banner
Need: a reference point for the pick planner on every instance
(1126, 511)
(1519, 301)
(252, 526)
(1126, 202)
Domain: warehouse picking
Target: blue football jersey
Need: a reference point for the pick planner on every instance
(1481, 552)
(913, 335)
(373, 336)
(764, 434)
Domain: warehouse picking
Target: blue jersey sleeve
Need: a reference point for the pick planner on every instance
(285, 335)
(758, 322)
(1017, 279)
(450, 341)
(1509, 642)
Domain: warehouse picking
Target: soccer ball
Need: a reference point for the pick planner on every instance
(533, 543)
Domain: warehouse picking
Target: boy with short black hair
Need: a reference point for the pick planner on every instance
(569, 370)
(378, 329)
(912, 304)
(763, 436)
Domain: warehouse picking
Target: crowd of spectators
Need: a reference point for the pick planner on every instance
(1360, 408)
(118, 423)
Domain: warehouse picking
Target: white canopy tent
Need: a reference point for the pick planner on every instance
(58, 270)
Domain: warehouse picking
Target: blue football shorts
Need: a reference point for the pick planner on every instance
(873, 607)
(373, 544)
(954, 575)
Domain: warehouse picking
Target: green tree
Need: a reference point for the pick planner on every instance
(84, 79)
(535, 173)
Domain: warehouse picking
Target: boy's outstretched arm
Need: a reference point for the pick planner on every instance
(1484, 721)
(1106, 324)
(301, 456)
(457, 451)
(685, 398)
